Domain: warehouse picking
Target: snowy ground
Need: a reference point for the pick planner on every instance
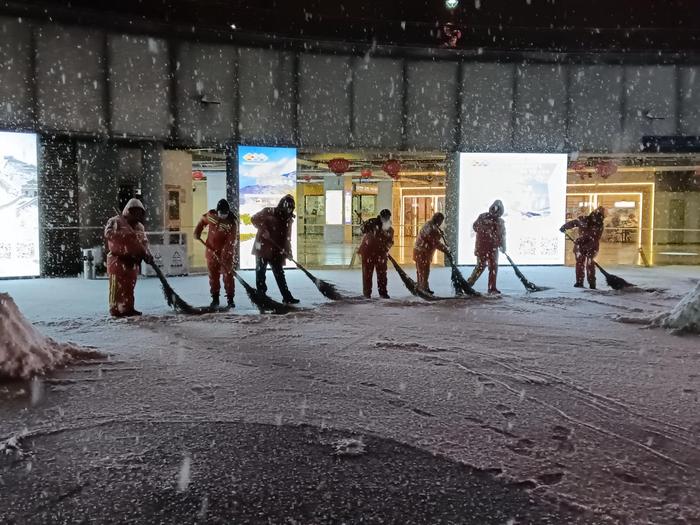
(547, 390)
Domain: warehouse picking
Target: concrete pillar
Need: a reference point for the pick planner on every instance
(152, 185)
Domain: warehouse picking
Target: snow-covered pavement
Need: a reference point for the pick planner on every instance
(547, 390)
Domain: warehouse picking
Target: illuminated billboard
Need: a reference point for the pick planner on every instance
(265, 175)
(532, 187)
(19, 205)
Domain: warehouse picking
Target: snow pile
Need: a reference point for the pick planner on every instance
(685, 316)
(24, 352)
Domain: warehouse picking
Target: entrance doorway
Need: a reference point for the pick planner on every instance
(627, 238)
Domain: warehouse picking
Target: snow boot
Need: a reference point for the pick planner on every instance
(132, 313)
(230, 303)
(384, 295)
(578, 285)
(214, 300)
(592, 286)
(290, 300)
(494, 291)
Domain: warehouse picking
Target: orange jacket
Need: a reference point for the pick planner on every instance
(590, 230)
(221, 233)
(429, 239)
(126, 244)
(274, 237)
(376, 242)
(490, 234)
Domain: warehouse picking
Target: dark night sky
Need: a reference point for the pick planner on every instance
(551, 24)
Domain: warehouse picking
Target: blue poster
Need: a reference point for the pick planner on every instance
(265, 175)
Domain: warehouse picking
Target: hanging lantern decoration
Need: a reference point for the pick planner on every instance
(392, 168)
(366, 173)
(579, 168)
(307, 178)
(605, 169)
(339, 165)
(198, 175)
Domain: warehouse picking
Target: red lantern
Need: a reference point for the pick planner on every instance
(339, 166)
(198, 175)
(605, 169)
(307, 178)
(392, 168)
(579, 167)
(366, 173)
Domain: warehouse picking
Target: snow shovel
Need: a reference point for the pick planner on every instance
(262, 301)
(327, 289)
(529, 286)
(408, 282)
(614, 282)
(459, 283)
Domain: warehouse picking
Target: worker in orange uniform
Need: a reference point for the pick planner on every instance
(127, 247)
(429, 240)
(221, 250)
(377, 240)
(586, 246)
(490, 239)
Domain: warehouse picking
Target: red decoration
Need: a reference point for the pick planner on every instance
(579, 167)
(392, 168)
(366, 173)
(198, 175)
(307, 178)
(605, 169)
(339, 166)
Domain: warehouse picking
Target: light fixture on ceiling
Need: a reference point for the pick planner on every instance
(451, 4)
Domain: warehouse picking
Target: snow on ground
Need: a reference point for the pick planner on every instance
(24, 352)
(685, 316)
(544, 389)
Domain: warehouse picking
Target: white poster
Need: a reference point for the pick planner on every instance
(19, 205)
(532, 187)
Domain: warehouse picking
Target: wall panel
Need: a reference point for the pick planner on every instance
(650, 104)
(206, 93)
(377, 102)
(266, 83)
(486, 107)
(70, 79)
(431, 105)
(16, 103)
(690, 100)
(540, 108)
(324, 100)
(139, 86)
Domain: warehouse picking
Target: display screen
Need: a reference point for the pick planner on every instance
(265, 175)
(334, 206)
(532, 187)
(19, 205)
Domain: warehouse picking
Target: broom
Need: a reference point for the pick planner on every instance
(408, 282)
(459, 283)
(614, 282)
(262, 301)
(529, 286)
(327, 289)
(172, 298)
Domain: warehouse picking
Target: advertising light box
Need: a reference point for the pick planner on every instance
(532, 187)
(19, 206)
(265, 175)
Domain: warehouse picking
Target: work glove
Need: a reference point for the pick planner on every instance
(148, 258)
(562, 229)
